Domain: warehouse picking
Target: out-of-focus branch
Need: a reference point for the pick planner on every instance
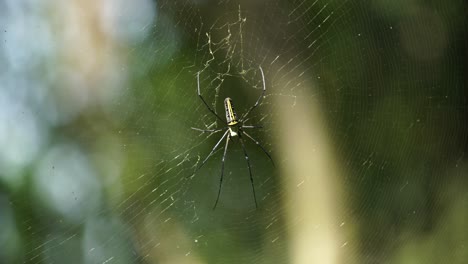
(311, 179)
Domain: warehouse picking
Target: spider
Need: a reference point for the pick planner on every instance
(235, 128)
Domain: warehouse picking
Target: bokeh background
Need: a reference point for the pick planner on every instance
(365, 116)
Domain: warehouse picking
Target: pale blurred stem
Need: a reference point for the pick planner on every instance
(309, 172)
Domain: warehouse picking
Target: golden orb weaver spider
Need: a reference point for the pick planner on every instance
(235, 128)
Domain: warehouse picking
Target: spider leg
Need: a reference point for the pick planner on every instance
(258, 144)
(259, 98)
(252, 126)
(201, 97)
(206, 130)
(211, 153)
(222, 172)
(250, 170)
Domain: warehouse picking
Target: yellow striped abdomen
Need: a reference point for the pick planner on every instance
(231, 116)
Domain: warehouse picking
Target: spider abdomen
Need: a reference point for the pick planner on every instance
(231, 117)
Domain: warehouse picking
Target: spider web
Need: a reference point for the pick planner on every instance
(367, 138)
(227, 54)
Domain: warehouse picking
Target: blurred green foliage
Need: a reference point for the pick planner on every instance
(391, 83)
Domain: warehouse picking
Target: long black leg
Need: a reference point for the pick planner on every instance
(258, 144)
(250, 170)
(259, 98)
(222, 172)
(201, 97)
(211, 153)
(252, 126)
(206, 130)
